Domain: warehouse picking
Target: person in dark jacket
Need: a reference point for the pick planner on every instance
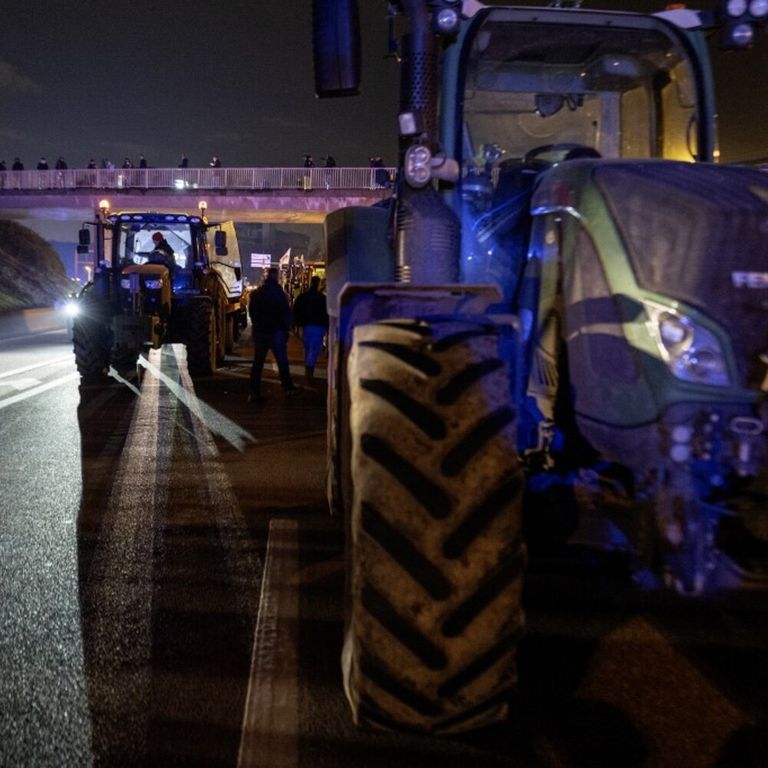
(17, 165)
(310, 316)
(270, 315)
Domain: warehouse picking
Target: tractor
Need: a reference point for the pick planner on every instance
(157, 279)
(556, 334)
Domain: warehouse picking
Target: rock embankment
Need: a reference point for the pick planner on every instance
(31, 272)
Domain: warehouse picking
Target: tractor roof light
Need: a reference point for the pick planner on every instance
(735, 8)
(447, 19)
(758, 9)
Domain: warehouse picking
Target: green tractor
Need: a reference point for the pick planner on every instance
(556, 335)
(157, 279)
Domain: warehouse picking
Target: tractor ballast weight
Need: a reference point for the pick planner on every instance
(581, 318)
(186, 290)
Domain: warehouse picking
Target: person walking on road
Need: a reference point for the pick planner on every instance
(270, 315)
(310, 316)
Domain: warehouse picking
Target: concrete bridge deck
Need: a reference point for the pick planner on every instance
(300, 195)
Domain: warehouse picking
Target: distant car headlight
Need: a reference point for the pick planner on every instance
(153, 285)
(71, 309)
(691, 351)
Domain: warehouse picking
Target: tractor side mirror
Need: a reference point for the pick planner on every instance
(336, 47)
(84, 240)
(220, 242)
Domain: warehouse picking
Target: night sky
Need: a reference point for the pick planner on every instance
(106, 79)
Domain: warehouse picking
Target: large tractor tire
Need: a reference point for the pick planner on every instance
(435, 555)
(92, 338)
(202, 346)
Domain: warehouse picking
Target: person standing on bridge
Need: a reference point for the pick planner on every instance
(270, 316)
(310, 316)
(17, 164)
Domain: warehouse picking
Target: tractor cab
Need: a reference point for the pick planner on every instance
(133, 244)
(538, 87)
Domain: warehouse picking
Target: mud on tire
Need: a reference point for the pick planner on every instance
(435, 556)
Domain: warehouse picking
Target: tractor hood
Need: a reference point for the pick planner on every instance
(696, 233)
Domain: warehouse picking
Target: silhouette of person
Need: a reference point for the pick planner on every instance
(270, 316)
(309, 161)
(142, 161)
(61, 164)
(215, 162)
(184, 161)
(42, 164)
(311, 316)
(17, 164)
(162, 252)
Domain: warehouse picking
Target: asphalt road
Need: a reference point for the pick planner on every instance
(148, 606)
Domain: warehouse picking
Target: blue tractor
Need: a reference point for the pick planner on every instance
(557, 334)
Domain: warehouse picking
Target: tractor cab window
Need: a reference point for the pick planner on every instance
(622, 92)
(135, 244)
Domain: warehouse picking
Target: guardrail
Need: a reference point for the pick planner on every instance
(193, 179)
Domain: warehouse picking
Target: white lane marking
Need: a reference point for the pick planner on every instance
(5, 402)
(26, 368)
(269, 736)
(21, 384)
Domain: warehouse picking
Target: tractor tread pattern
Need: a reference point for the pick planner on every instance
(437, 557)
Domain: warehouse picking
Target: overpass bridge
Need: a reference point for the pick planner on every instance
(289, 195)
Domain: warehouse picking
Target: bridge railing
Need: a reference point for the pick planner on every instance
(181, 179)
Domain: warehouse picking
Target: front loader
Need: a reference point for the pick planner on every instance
(557, 333)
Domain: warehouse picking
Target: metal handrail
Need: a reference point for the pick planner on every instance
(194, 179)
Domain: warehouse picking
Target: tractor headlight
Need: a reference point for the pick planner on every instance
(71, 309)
(692, 352)
(153, 285)
(418, 165)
